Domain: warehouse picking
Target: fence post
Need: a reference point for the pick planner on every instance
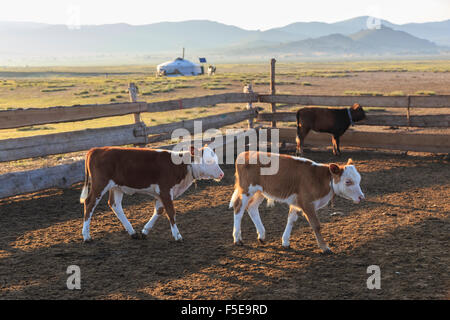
(272, 87)
(133, 90)
(248, 89)
(408, 115)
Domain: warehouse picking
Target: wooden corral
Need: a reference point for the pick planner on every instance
(140, 134)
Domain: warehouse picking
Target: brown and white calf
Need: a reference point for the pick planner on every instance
(303, 184)
(136, 170)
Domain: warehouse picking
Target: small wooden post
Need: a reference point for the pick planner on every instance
(272, 87)
(408, 115)
(133, 90)
(248, 89)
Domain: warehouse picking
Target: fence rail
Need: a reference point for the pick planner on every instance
(437, 121)
(49, 144)
(65, 175)
(420, 142)
(441, 101)
(36, 116)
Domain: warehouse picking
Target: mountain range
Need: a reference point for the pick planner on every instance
(369, 42)
(360, 36)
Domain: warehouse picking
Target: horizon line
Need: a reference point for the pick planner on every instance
(223, 23)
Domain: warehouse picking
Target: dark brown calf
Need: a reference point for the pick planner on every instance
(331, 120)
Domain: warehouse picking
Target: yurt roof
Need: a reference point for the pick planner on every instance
(178, 61)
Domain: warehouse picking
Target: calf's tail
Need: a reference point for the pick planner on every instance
(270, 203)
(235, 195)
(85, 190)
(233, 198)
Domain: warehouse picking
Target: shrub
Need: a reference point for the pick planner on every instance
(425, 93)
(362, 93)
(53, 90)
(396, 93)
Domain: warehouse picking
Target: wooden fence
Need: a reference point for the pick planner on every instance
(422, 121)
(140, 134)
(405, 141)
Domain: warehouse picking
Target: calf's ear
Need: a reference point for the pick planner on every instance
(335, 169)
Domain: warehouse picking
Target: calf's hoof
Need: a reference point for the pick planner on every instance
(261, 241)
(239, 243)
(88, 240)
(136, 236)
(327, 251)
(143, 236)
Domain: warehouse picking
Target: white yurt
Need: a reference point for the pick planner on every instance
(179, 66)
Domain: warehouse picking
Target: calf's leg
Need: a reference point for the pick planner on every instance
(253, 212)
(96, 192)
(335, 141)
(337, 138)
(292, 217)
(157, 212)
(302, 132)
(170, 210)
(89, 206)
(239, 208)
(115, 203)
(311, 216)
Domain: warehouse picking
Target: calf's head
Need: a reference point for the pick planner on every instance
(358, 113)
(206, 164)
(346, 180)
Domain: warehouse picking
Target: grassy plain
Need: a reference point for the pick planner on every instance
(65, 86)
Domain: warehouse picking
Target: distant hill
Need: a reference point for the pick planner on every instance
(119, 38)
(383, 41)
(23, 41)
(392, 41)
(438, 32)
(320, 29)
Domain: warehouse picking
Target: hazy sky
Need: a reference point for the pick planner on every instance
(247, 14)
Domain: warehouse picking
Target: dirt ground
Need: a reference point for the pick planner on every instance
(403, 227)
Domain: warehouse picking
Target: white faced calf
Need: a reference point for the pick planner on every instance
(147, 171)
(301, 183)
